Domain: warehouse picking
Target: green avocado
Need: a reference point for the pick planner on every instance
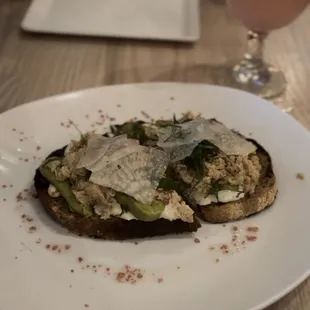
(64, 189)
(141, 211)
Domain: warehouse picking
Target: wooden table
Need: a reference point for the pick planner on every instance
(32, 67)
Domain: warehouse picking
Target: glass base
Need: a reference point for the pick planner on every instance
(264, 81)
(223, 75)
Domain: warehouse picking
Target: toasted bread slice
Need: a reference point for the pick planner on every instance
(263, 197)
(113, 228)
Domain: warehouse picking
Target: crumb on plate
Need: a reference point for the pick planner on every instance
(300, 176)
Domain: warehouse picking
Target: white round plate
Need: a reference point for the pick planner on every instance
(45, 267)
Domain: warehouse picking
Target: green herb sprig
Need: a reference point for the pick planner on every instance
(133, 130)
(203, 152)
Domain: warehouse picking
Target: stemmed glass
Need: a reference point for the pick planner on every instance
(253, 74)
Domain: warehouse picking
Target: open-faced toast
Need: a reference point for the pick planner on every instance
(151, 178)
(109, 228)
(263, 197)
(225, 177)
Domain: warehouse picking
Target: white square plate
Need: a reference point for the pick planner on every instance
(176, 20)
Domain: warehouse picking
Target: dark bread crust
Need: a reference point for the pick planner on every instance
(263, 197)
(113, 228)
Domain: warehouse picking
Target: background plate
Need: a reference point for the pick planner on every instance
(176, 20)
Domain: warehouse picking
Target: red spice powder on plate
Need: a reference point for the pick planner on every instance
(254, 229)
(251, 238)
(129, 275)
(32, 229)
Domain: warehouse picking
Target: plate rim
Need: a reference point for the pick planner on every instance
(82, 91)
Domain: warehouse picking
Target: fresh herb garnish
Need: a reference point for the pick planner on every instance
(171, 122)
(176, 133)
(215, 188)
(79, 131)
(133, 130)
(167, 184)
(163, 123)
(203, 152)
(169, 181)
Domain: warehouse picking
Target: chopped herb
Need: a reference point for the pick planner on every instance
(176, 133)
(169, 181)
(168, 184)
(80, 132)
(203, 152)
(171, 122)
(175, 121)
(133, 130)
(164, 123)
(215, 188)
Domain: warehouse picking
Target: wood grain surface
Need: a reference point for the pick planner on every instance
(36, 66)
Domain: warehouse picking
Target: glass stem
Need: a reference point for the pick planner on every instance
(252, 69)
(254, 55)
(253, 74)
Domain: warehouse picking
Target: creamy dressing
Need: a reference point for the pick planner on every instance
(170, 213)
(223, 196)
(108, 210)
(127, 216)
(52, 191)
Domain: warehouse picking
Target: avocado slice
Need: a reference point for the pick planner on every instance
(64, 189)
(141, 211)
